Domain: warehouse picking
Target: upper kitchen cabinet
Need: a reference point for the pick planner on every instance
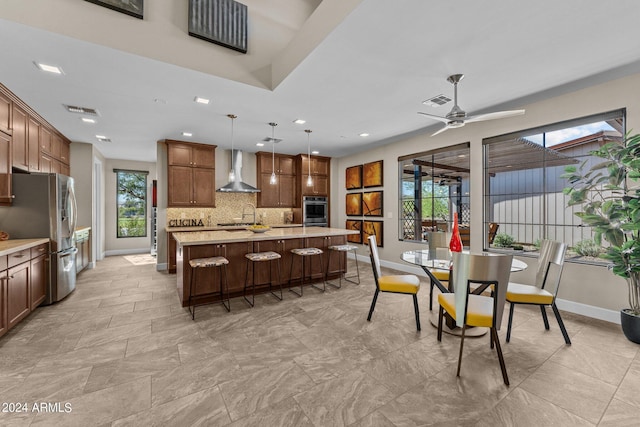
(20, 151)
(6, 196)
(5, 113)
(320, 167)
(191, 174)
(33, 145)
(283, 194)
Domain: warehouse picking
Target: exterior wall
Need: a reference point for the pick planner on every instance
(592, 289)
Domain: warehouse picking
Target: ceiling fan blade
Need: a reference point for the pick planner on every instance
(438, 118)
(440, 130)
(492, 116)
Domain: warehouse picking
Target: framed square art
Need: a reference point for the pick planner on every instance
(372, 203)
(372, 174)
(353, 177)
(353, 204)
(373, 228)
(130, 7)
(354, 224)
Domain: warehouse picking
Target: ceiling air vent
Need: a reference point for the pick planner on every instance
(437, 101)
(274, 140)
(81, 110)
(103, 139)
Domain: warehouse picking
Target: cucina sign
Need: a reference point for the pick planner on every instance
(186, 223)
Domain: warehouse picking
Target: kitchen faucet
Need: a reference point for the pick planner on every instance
(254, 212)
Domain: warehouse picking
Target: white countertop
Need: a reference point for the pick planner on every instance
(243, 235)
(223, 227)
(10, 246)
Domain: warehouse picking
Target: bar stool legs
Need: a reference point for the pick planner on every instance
(339, 249)
(260, 257)
(303, 253)
(208, 263)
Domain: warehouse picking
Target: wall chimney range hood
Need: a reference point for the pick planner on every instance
(237, 185)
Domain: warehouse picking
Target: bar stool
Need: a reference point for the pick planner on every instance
(304, 253)
(340, 249)
(198, 263)
(261, 257)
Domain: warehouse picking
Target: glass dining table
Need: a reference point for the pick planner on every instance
(429, 264)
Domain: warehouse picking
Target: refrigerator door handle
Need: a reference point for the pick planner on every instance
(74, 213)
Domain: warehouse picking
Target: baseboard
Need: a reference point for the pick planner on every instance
(565, 305)
(162, 267)
(126, 252)
(589, 311)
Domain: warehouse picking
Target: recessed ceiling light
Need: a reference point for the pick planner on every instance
(260, 144)
(364, 134)
(48, 68)
(461, 156)
(315, 152)
(199, 100)
(299, 121)
(87, 120)
(187, 134)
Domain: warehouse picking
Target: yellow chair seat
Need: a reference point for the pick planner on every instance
(441, 275)
(405, 284)
(527, 294)
(479, 309)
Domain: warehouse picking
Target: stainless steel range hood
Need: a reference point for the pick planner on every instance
(237, 185)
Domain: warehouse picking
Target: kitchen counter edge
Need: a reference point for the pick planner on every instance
(227, 236)
(10, 246)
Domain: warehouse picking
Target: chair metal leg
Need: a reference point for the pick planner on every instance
(324, 275)
(373, 304)
(279, 278)
(226, 283)
(415, 306)
(192, 311)
(431, 284)
(440, 316)
(494, 334)
(291, 276)
(339, 285)
(544, 317)
(512, 308)
(464, 328)
(253, 287)
(355, 256)
(561, 323)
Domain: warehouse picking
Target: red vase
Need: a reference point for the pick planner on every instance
(455, 245)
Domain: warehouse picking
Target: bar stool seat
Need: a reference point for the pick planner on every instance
(210, 262)
(262, 257)
(344, 248)
(304, 253)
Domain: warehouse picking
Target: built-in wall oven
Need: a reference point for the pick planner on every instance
(315, 211)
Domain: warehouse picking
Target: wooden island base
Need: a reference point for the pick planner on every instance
(234, 245)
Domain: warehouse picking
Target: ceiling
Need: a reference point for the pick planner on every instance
(369, 74)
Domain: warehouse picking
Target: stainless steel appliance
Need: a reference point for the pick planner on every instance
(315, 211)
(44, 205)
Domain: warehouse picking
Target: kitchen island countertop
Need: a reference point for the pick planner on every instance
(10, 246)
(243, 235)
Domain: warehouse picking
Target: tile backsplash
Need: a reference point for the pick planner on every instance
(228, 207)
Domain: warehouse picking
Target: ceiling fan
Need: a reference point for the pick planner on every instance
(457, 117)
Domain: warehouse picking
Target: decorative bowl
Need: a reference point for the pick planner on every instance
(259, 228)
(4, 235)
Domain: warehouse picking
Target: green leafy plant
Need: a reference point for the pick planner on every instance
(612, 208)
(503, 240)
(587, 248)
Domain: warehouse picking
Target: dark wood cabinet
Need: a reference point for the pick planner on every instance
(33, 145)
(18, 295)
(191, 174)
(320, 168)
(283, 193)
(4, 321)
(38, 282)
(5, 113)
(19, 139)
(171, 253)
(6, 195)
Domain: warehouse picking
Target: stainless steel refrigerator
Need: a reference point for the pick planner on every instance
(44, 205)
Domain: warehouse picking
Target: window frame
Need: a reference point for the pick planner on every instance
(145, 203)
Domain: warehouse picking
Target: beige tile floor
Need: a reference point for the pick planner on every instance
(121, 351)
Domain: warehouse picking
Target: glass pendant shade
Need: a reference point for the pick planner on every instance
(309, 179)
(273, 180)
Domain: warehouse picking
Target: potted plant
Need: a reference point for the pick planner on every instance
(611, 206)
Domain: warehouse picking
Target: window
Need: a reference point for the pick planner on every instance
(131, 202)
(433, 185)
(524, 182)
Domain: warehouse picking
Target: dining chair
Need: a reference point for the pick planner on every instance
(545, 289)
(489, 272)
(440, 275)
(398, 284)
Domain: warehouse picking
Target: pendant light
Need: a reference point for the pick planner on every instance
(232, 173)
(309, 180)
(273, 180)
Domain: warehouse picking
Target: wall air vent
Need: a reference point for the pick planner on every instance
(437, 101)
(81, 110)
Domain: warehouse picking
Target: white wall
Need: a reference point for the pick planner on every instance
(113, 244)
(589, 289)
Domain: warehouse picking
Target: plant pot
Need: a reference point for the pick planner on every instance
(630, 325)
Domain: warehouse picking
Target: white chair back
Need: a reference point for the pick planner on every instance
(551, 254)
(483, 267)
(373, 250)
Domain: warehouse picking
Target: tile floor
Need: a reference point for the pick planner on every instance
(121, 351)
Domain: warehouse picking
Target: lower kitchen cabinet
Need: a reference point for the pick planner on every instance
(4, 322)
(83, 244)
(18, 295)
(38, 282)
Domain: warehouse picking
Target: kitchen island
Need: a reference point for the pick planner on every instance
(235, 244)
